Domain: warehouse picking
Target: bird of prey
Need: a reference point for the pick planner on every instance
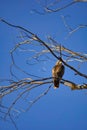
(57, 73)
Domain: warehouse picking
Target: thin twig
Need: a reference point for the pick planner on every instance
(47, 9)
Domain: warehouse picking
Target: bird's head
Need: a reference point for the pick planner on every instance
(59, 62)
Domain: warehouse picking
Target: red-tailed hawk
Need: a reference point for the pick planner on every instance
(57, 73)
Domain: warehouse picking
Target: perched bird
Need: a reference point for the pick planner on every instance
(57, 73)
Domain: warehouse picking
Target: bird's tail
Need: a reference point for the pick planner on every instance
(56, 83)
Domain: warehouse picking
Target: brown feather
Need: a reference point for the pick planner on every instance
(57, 73)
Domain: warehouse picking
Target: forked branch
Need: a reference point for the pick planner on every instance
(36, 38)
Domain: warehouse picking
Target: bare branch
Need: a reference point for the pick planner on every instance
(80, 0)
(28, 84)
(59, 52)
(73, 85)
(70, 29)
(37, 98)
(49, 10)
(36, 38)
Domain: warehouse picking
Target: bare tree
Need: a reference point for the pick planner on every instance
(43, 52)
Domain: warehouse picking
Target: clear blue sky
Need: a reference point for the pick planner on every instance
(62, 108)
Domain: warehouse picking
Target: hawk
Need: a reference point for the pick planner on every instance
(57, 73)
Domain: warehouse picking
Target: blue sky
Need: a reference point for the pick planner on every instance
(62, 108)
